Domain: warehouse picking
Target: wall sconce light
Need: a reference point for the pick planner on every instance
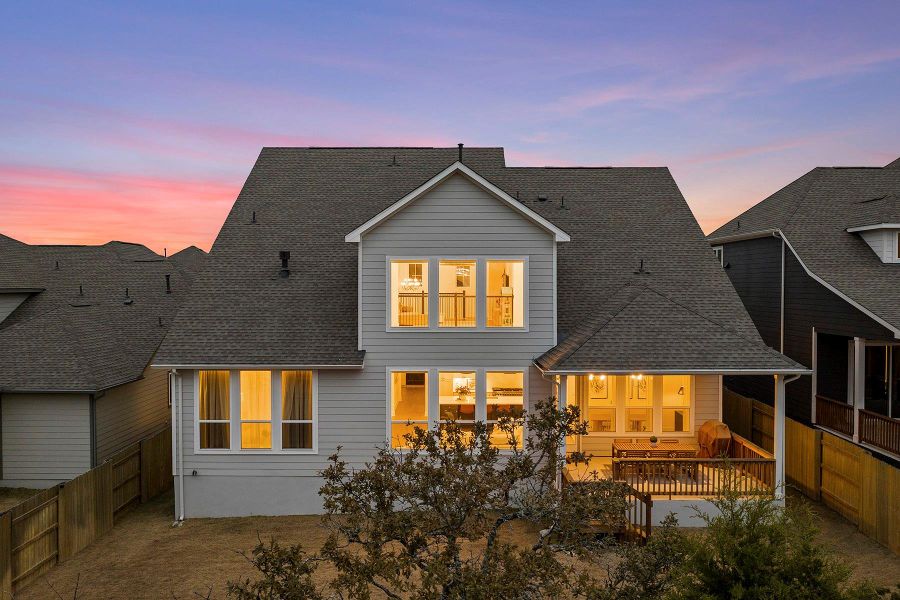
(681, 391)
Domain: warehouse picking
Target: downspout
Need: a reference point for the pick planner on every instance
(177, 442)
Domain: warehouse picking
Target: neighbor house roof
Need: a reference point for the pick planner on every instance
(78, 330)
(307, 200)
(814, 214)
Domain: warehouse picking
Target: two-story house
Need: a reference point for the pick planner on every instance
(354, 293)
(817, 265)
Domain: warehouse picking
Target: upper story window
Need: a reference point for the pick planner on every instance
(409, 293)
(720, 254)
(457, 293)
(505, 304)
(256, 411)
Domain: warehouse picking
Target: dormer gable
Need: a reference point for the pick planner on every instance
(882, 238)
(458, 168)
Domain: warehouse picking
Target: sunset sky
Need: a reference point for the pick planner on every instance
(121, 121)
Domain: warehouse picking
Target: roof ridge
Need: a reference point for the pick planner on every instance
(803, 197)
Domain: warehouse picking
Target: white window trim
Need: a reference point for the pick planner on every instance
(657, 407)
(480, 293)
(720, 253)
(235, 414)
(433, 390)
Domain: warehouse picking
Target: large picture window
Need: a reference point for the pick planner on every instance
(256, 411)
(409, 293)
(676, 403)
(505, 398)
(639, 404)
(457, 293)
(409, 404)
(215, 409)
(457, 397)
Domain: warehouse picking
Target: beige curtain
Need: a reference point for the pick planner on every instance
(296, 405)
(215, 405)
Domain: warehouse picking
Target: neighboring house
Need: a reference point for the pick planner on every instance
(78, 327)
(817, 265)
(353, 291)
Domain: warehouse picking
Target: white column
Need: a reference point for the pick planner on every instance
(561, 400)
(779, 436)
(859, 382)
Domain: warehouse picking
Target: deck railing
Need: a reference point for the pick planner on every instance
(639, 514)
(413, 309)
(704, 477)
(878, 430)
(457, 310)
(835, 415)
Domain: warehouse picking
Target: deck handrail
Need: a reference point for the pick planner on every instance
(747, 448)
(639, 513)
(880, 431)
(834, 414)
(696, 476)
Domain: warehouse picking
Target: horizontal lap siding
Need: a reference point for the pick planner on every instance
(45, 436)
(457, 219)
(127, 413)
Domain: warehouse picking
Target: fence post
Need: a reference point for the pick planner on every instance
(6, 555)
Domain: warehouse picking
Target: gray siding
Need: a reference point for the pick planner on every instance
(125, 414)
(457, 219)
(46, 438)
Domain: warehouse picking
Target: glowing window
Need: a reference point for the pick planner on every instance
(409, 293)
(639, 404)
(505, 302)
(601, 404)
(505, 398)
(676, 403)
(456, 397)
(409, 404)
(215, 410)
(256, 410)
(296, 410)
(456, 281)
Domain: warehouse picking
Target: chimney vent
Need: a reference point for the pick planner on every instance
(284, 256)
(57, 266)
(253, 217)
(460, 152)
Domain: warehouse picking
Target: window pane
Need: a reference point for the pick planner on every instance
(505, 293)
(505, 394)
(215, 400)
(675, 419)
(296, 396)
(601, 403)
(256, 395)
(602, 419)
(639, 419)
(500, 438)
(456, 394)
(399, 431)
(256, 435)
(677, 390)
(409, 396)
(409, 293)
(457, 293)
(296, 435)
(639, 390)
(215, 436)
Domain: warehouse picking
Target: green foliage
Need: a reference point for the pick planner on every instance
(757, 548)
(286, 574)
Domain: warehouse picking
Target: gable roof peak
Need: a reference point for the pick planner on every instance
(458, 168)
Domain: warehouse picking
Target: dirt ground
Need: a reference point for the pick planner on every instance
(9, 497)
(145, 557)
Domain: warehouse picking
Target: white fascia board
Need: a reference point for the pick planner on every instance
(873, 227)
(739, 237)
(685, 371)
(458, 167)
(267, 367)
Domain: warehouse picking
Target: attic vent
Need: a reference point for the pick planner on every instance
(284, 256)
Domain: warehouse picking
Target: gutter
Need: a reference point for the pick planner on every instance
(739, 237)
(215, 367)
(687, 371)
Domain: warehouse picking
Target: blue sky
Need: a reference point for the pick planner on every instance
(141, 121)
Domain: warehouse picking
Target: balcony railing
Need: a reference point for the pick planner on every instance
(835, 415)
(878, 430)
(413, 309)
(457, 310)
(500, 311)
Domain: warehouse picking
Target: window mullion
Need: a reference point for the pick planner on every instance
(480, 395)
(276, 410)
(235, 406)
(480, 293)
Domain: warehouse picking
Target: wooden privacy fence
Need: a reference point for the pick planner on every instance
(57, 523)
(749, 418)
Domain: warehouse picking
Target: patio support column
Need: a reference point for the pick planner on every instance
(561, 400)
(779, 436)
(859, 382)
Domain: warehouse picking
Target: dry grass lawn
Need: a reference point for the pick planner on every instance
(145, 557)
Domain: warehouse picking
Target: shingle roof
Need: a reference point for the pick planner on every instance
(307, 199)
(814, 213)
(61, 340)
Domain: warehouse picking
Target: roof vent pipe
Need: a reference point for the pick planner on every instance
(460, 152)
(168, 283)
(253, 217)
(57, 266)
(80, 290)
(285, 256)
